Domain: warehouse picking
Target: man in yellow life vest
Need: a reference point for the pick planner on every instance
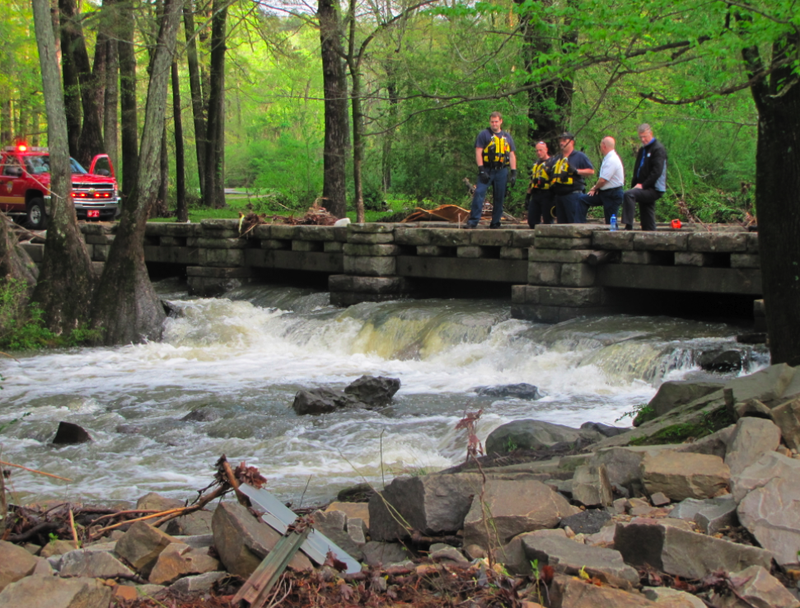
(569, 179)
(540, 196)
(495, 153)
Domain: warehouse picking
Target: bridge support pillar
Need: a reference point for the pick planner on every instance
(370, 267)
(562, 277)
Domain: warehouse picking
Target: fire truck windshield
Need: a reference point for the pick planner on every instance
(41, 164)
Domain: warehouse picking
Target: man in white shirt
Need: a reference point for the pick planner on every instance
(609, 187)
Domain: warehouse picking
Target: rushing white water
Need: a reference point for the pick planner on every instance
(240, 360)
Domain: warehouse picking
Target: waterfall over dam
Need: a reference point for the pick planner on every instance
(223, 378)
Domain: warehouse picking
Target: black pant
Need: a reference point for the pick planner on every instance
(647, 206)
(540, 206)
(610, 199)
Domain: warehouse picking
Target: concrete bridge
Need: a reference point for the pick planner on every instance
(552, 273)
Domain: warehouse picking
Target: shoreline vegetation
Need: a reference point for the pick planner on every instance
(553, 517)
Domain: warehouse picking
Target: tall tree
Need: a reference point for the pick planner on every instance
(334, 188)
(180, 172)
(549, 103)
(76, 61)
(129, 126)
(196, 89)
(354, 56)
(66, 280)
(126, 306)
(215, 127)
(777, 95)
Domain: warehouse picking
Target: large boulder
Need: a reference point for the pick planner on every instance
(624, 465)
(755, 586)
(766, 385)
(770, 466)
(373, 391)
(179, 559)
(92, 564)
(54, 592)
(385, 554)
(591, 487)
(141, 545)
(572, 592)
(771, 514)
(334, 525)
(15, 563)
(569, 557)
(710, 515)
(787, 417)
(535, 435)
(685, 475)
(752, 438)
(242, 541)
(506, 508)
(673, 393)
(683, 553)
(431, 504)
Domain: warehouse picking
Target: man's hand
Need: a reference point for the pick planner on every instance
(483, 175)
(637, 187)
(512, 179)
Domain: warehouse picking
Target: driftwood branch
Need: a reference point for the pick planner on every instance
(19, 466)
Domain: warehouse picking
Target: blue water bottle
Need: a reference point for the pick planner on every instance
(613, 223)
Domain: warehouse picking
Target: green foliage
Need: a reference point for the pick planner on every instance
(709, 423)
(22, 325)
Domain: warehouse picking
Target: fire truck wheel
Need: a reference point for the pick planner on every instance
(37, 216)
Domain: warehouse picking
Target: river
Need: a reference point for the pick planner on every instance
(238, 361)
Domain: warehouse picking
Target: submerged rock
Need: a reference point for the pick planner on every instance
(517, 391)
(373, 391)
(366, 392)
(721, 360)
(69, 434)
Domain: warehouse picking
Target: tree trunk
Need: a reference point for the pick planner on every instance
(549, 105)
(72, 87)
(126, 306)
(778, 210)
(160, 207)
(6, 128)
(66, 279)
(110, 102)
(197, 93)
(90, 140)
(334, 188)
(180, 172)
(215, 152)
(354, 64)
(391, 121)
(127, 99)
(15, 263)
(358, 147)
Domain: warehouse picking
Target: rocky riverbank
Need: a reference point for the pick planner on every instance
(698, 505)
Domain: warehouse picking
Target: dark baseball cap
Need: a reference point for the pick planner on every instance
(566, 135)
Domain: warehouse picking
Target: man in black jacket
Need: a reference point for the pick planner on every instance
(649, 181)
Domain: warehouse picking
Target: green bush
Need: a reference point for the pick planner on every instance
(22, 325)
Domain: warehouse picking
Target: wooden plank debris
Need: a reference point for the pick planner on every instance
(280, 517)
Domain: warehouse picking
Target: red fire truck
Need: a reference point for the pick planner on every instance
(25, 186)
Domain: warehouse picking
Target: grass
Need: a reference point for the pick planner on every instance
(236, 204)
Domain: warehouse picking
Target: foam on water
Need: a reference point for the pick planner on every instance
(241, 360)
